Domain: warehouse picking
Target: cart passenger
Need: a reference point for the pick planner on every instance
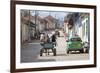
(42, 37)
(47, 39)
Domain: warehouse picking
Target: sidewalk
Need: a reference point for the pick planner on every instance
(30, 51)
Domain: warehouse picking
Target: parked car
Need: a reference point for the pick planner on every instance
(74, 43)
(86, 47)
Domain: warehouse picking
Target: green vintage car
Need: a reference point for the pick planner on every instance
(74, 43)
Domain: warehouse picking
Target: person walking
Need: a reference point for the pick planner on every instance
(54, 39)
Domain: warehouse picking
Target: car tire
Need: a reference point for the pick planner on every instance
(87, 51)
(82, 51)
(67, 51)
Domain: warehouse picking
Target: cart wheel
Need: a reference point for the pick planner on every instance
(54, 52)
(82, 51)
(41, 51)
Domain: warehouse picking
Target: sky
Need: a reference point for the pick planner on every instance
(57, 15)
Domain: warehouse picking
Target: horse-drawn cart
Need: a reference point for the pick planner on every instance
(48, 47)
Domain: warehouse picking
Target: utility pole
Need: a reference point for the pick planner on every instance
(55, 22)
(29, 26)
(35, 25)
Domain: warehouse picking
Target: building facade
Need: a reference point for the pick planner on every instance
(80, 27)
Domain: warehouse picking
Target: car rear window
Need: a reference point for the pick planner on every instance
(75, 39)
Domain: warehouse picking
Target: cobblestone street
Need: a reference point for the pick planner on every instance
(30, 52)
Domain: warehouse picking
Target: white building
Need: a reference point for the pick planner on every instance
(84, 28)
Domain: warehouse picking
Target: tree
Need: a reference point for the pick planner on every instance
(70, 23)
